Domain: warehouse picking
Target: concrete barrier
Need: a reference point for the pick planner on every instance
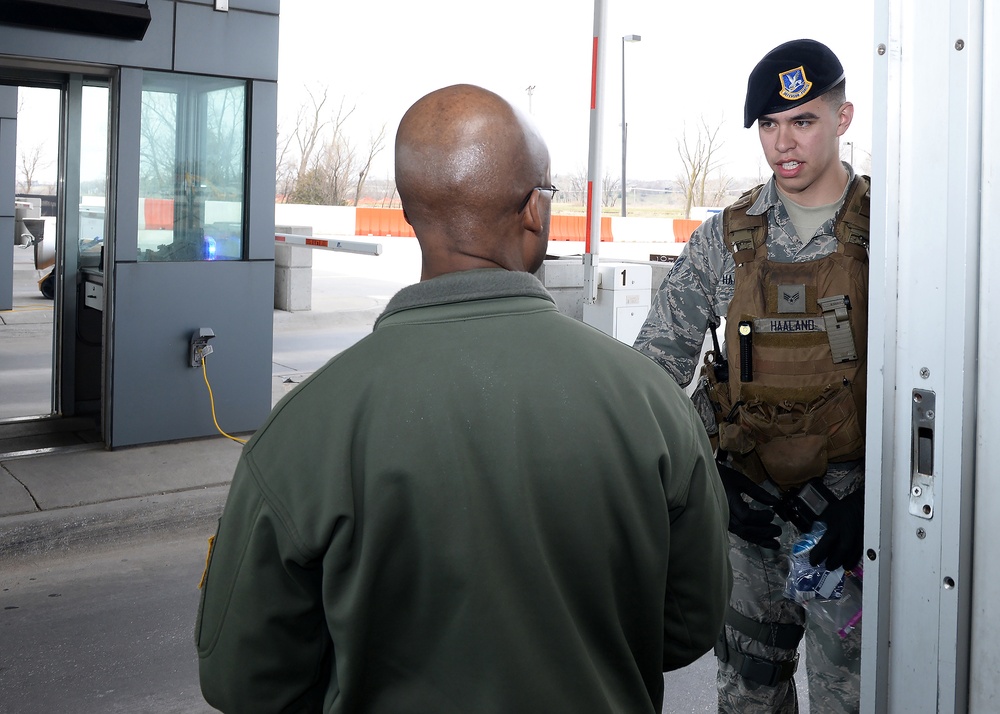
(293, 272)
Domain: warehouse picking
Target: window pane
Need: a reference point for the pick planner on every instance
(191, 165)
(93, 174)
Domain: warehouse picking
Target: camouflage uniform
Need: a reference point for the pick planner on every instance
(696, 293)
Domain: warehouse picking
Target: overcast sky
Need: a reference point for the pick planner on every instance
(693, 61)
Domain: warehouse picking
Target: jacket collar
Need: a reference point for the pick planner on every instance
(466, 286)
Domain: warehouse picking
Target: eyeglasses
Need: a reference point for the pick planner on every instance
(551, 189)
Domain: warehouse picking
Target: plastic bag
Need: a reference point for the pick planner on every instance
(832, 597)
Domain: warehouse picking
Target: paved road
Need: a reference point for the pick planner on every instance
(106, 631)
(109, 629)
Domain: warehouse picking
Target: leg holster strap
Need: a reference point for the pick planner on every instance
(753, 668)
(783, 635)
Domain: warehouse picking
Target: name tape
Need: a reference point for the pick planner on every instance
(788, 325)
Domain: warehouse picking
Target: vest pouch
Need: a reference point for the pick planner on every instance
(796, 440)
(737, 441)
(839, 419)
(792, 460)
(735, 438)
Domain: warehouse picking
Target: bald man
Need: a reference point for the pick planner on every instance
(483, 506)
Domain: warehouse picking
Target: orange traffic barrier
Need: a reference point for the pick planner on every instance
(158, 213)
(574, 228)
(390, 222)
(381, 222)
(683, 228)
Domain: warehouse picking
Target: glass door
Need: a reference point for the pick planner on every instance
(27, 339)
(53, 332)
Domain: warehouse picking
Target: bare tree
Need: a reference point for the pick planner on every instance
(31, 163)
(316, 161)
(157, 147)
(375, 146)
(610, 191)
(699, 159)
(31, 159)
(574, 187)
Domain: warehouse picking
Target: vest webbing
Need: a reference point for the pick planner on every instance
(808, 323)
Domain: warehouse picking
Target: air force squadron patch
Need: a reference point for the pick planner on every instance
(794, 84)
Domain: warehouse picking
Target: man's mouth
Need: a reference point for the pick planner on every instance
(790, 165)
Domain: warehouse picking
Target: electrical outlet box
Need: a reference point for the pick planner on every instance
(199, 348)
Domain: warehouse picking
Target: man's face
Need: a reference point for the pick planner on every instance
(802, 148)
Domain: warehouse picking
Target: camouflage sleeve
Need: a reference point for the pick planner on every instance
(696, 290)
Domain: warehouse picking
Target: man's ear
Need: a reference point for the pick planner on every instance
(531, 219)
(844, 116)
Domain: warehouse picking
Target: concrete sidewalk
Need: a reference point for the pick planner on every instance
(57, 502)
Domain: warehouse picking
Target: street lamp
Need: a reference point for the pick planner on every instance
(625, 38)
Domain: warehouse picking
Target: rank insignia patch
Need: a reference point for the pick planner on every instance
(794, 84)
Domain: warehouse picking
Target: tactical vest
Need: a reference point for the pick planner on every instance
(796, 337)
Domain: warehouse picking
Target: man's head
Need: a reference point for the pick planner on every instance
(796, 94)
(465, 161)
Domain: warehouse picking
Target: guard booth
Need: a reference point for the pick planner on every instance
(160, 120)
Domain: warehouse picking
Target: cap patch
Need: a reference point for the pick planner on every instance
(794, 84)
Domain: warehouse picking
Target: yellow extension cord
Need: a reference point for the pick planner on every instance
(211, 398)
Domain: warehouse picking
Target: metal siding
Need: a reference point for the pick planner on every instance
(929, 164)
(231, 44)
(6, 262)
(126, 183)
(153, 51)
(156, 395)
(8, 183)
(984, 685)
(8, 159)
(882, 318)
(265, 6)
(261, 185)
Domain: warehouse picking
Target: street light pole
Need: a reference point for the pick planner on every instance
(625, 38)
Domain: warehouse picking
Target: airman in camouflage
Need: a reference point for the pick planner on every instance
(799, 131)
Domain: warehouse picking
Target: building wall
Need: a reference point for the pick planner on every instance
(183, 36)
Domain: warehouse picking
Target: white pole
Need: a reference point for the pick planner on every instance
(593, 238)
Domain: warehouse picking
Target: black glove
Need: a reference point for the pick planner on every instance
(753, 525)
(843, 541)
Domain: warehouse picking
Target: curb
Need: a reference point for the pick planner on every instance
(311, 319)
(44, 534)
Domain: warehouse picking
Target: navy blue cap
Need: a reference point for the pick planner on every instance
(789, 75)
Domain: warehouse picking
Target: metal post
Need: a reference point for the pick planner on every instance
(626, 38)
(593, 232)
(624, 132)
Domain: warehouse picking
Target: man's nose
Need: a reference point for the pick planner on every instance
(784, 140)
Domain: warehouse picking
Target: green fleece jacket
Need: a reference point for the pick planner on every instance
(483, 506)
